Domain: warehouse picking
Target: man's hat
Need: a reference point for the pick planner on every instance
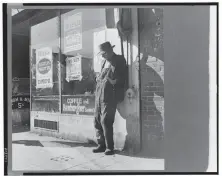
(104, 47)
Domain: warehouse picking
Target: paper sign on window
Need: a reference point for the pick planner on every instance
(44, 68)
(73, 33)
(73, 68)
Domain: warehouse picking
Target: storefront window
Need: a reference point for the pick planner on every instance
(78, 49)
(63, 60)
(44, 50)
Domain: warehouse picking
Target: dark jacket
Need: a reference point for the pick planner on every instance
(107, 92)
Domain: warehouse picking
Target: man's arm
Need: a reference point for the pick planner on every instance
(119, 72)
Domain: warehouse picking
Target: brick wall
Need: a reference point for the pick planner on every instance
(152, 80)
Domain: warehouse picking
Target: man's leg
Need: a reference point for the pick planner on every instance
(99, 130)
(108, 111)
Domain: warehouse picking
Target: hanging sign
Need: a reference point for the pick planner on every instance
(73, 33)
(44, 68)
(74, 68)
(79, 105)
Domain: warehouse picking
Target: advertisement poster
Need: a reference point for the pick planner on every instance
(44, 67)
(79, 105)
(20, 102)
(73, 33)
(73, 68)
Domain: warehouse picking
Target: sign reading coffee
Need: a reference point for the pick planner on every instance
(80, 105)
(44, 67)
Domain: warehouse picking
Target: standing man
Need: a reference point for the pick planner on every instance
(109, 91)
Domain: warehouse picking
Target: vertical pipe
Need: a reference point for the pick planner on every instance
(59, 66)
(139, 75)
(30, 72)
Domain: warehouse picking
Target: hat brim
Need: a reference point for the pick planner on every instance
(102, 52)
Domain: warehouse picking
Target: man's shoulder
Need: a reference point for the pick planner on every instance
(120, 58)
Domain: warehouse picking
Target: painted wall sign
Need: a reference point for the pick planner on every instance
(74, 68)
(44, 68)
(73, 33)
(20, 102)
(80, 105)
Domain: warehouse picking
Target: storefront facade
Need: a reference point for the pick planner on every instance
(63, 67)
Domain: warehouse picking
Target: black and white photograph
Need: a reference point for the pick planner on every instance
(87, 87)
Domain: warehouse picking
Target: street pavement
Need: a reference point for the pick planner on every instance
(32, 152)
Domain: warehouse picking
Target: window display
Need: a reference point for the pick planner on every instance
(44, 59)
(78, 48)
(63, 61)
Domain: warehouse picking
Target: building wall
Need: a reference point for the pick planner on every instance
(152, 80)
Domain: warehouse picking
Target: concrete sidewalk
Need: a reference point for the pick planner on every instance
(31, 152)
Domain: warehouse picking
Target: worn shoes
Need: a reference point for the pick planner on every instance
(109, 152)
(99, 149)
(102, 149)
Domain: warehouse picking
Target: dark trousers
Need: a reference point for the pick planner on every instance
(103, 123)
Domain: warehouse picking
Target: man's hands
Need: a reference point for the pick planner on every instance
(113, 82)
(97, 77)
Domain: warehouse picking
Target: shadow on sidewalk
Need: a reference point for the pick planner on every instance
(63, 144)
(28, 143)
(73, 144)
(141, 154)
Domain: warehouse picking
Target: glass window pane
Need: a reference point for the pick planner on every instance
(45, 51)
(78, 47)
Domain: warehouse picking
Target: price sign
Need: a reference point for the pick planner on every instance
(20, 102)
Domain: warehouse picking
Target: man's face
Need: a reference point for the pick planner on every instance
(107, 54)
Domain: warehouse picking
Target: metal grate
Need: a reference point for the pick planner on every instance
(51, 125)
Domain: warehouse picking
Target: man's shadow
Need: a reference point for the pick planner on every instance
(152, 106)
(148, 131)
